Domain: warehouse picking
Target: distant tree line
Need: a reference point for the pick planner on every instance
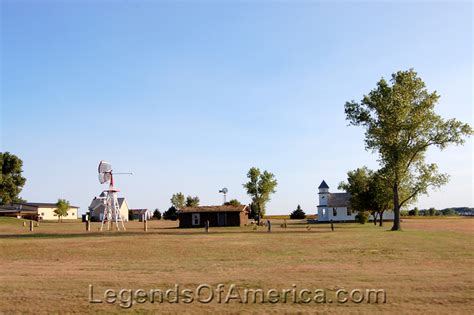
(431, 212)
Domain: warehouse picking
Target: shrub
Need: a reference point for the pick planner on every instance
(157, 214)
(362, 217)
(298, 213)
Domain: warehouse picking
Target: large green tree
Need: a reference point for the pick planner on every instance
(11, 181)
(62, 206)
(178, 201)
(400, 125)
(259, 187)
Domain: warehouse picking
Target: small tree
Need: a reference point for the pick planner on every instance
(233, 202)
(171, 214)
(157, 214)
(192, 201)
(62, 206)
(298, 213)
(11, 181)
(178, 201)
(432, 211)
(259, 187)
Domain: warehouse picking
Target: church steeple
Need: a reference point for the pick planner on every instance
(323, 193)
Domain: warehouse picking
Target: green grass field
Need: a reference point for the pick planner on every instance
(424, 269)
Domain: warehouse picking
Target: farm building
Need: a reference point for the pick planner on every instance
(337, 207)
(96, 208)
(216, 215)
(37, 211)
(137, 214)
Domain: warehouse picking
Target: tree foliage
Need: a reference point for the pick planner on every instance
(171, 214)
(192, 201)
(157, 214)
(298, 213)
(369, 192)
(62, 206)
(11, 180)
(400, 125)
(233, 202)
(178, 201)
(259, 187)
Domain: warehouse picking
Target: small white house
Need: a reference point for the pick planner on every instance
(337, 206)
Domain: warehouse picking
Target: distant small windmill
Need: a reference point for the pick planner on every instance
(110, 202)
(224, 191)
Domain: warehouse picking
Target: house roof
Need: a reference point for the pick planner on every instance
(323, 185)
(43, 205)
(214, 209)
(336, 200)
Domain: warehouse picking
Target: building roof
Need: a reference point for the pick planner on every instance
(214, 209)
(336, 200)
(323, 185)
(42, 205)
(9, 209)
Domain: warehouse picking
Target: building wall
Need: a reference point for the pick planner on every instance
(47, 213)
(232, 219)
(325, 214)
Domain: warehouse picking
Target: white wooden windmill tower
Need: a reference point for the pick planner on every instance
(111, 204)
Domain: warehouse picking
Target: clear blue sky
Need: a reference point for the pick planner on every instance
(190, 95)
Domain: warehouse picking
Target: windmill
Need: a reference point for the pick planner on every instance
(109, 197)
(224, 191)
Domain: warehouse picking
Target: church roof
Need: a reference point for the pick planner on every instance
(336, 200)
(323, 185)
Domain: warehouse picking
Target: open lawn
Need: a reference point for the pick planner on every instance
(426, 268)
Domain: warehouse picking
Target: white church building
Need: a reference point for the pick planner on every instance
(337, 206)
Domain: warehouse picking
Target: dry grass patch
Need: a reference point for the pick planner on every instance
(422, 269)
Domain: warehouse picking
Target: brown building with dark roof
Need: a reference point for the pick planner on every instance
(216, 215)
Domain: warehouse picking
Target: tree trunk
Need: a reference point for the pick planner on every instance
(381, 219)
(396, 209)
(375, 218)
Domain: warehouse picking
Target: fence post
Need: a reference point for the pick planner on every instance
(31, 226)
(269, 224)
(332, 226)
(145, 226)
(206, 226)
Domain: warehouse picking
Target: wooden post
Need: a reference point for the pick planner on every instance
(269, 225)
(31, 226)
(332, 226)
(24, 223)
(206, 226)
(88, 226)
(145, 226)
(284, 223)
